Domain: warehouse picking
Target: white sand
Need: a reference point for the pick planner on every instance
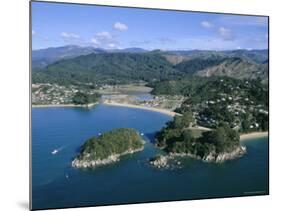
(243, 137)
(160, 110)
(249, 136)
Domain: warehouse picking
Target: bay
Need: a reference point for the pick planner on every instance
(55, 184)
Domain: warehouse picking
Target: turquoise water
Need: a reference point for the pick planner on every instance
(55, 184)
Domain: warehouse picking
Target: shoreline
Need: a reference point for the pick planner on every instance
(253, 135)
(160, 110)
(64, 105)
(243, 137)
(78, 163)
(163, 161)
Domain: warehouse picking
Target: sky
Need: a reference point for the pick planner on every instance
(57, 24)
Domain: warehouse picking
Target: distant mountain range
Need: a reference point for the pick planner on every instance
(88, 64)
(43, 57)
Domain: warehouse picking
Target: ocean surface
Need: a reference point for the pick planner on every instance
(55, 184)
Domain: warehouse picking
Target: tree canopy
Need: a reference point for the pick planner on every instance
(178, 137)
(116, 141)
(83, 98)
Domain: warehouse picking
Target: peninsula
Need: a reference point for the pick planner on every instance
(178, 139)
(108, 148)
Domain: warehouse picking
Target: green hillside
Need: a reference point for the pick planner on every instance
(236, 68)
(108, 68)
(150, 66)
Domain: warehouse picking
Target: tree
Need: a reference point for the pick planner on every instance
(80, 98)
(117, 141)
(222, 139)
(183, 121)
(246, 125)
(187, 119)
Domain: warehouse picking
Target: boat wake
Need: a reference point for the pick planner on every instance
(55, 151)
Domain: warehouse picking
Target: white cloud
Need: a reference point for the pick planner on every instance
(111, 45)
(95, 41)
(206, 24)
(69, 35)
(103, 36)
(120, 26)
(104, 40)
(33, 32)
(226, 34)
(71, 38)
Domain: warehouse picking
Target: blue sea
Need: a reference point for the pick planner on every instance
(55, 184)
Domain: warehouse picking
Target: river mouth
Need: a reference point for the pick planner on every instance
(56, 184)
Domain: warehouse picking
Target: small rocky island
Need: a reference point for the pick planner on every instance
(178, 139)
(108, 148)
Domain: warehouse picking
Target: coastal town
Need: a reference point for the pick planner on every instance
(242, 111)
(233, 105)
(53, 94)
(222, 106)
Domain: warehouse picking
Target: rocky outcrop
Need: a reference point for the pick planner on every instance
(221, 157)
(159, 161)
(86, 162)
(216, 157)
(164, 161)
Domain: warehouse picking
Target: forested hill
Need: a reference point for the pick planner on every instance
(192, 66)
(43, 57)
(109, 67)
(256, 56)
(236, 68)
(138, 64)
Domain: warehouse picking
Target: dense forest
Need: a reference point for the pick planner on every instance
(81, 98)
(118, 67)
(117, 141)
(109, 68)
(178, 137)
(197, 64)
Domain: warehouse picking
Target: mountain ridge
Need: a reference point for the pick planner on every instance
(87, 64)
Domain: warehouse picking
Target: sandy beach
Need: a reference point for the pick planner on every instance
(160, 110)
(243, 137)
(249, 136)
(64, 105)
